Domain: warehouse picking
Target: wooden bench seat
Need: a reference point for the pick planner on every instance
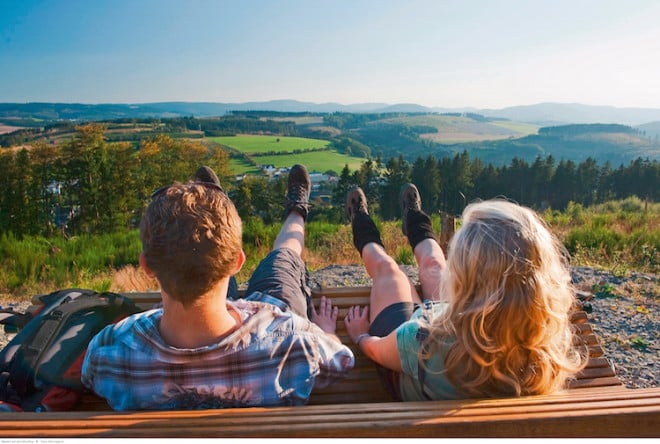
(593, 412)
(596, 404)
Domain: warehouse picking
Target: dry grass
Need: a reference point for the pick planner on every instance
(337, 250)
(131, 278)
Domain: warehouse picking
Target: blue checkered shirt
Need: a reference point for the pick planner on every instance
(275, 358)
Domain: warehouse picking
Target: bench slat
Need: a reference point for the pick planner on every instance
(581, 413)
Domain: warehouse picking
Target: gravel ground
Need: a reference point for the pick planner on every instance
(623, 312)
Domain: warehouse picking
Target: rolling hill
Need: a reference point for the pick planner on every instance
(493, 139)
(542, 114)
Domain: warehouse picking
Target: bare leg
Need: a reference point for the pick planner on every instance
(292, 234)
(431, 263)
(390, 284)
(418, 228)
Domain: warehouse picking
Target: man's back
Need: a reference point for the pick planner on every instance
(274, 358)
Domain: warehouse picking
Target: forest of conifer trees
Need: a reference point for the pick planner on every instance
(90, 185)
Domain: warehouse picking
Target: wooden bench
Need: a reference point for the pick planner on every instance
(596, 404)
(594, 412)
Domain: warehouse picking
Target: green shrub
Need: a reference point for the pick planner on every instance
(599, 238)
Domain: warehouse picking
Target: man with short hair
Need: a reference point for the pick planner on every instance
(201, 349)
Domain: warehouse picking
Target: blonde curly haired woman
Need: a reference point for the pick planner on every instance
(495, 318)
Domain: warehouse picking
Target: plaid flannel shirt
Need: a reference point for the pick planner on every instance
(275, 358)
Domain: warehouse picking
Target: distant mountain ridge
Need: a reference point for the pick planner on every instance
(546, 114)
(543, 114)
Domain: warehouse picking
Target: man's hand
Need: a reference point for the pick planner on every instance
(326, 317)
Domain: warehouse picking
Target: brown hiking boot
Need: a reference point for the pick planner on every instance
(364, 229)
(409, 200)
(299, 189)
(356, 202)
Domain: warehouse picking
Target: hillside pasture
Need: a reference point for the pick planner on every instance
(459, 129)
(6, 129)
(241, 167)
(298, 120)
(262, 149)
(522, 128)
(317, 161)
(255, 144)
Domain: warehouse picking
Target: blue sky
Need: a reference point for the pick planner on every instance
(482, 54)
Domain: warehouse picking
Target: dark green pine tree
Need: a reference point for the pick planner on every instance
(397, 174)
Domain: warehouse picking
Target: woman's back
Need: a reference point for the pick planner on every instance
(510, 296)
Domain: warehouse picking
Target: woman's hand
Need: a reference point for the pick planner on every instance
(326, 317)
(357, 321)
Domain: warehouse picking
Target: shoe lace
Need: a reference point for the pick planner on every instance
(298, 190)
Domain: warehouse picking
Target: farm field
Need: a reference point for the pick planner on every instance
(4, 129)
(459, 129)
(319, 161)
(524, 129)
(257, 147)
(252, 144)
(241, 167)
(304, 120)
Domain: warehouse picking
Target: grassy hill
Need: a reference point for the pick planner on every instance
(328, 141)
(617, 144)
(651, 130)
(282, 151)
(498, 141)
(259, 145)
(461, 128)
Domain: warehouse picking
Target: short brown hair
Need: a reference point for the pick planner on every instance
(191, 238)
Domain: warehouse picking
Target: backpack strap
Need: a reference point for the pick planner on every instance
(50, 328)
(13, 320)
(7, 393)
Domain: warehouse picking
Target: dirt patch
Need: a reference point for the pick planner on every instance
(6, 129)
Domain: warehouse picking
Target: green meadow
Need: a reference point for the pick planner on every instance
(461, 129)
(283, 151)
(314, 161)
(251, 144)
(521, 128)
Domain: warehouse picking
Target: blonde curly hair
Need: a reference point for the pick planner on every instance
(510, 298)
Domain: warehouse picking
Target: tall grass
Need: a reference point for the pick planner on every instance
(617, 236)
(36, 264)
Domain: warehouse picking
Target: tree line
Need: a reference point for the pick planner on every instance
(90, 185)
(448, 184)
(87, 185)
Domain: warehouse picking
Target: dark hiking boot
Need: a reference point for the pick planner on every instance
(409, 200)
(364, 228)
(415, 223)
(356, 203)
(299, 189)
(206, 175)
